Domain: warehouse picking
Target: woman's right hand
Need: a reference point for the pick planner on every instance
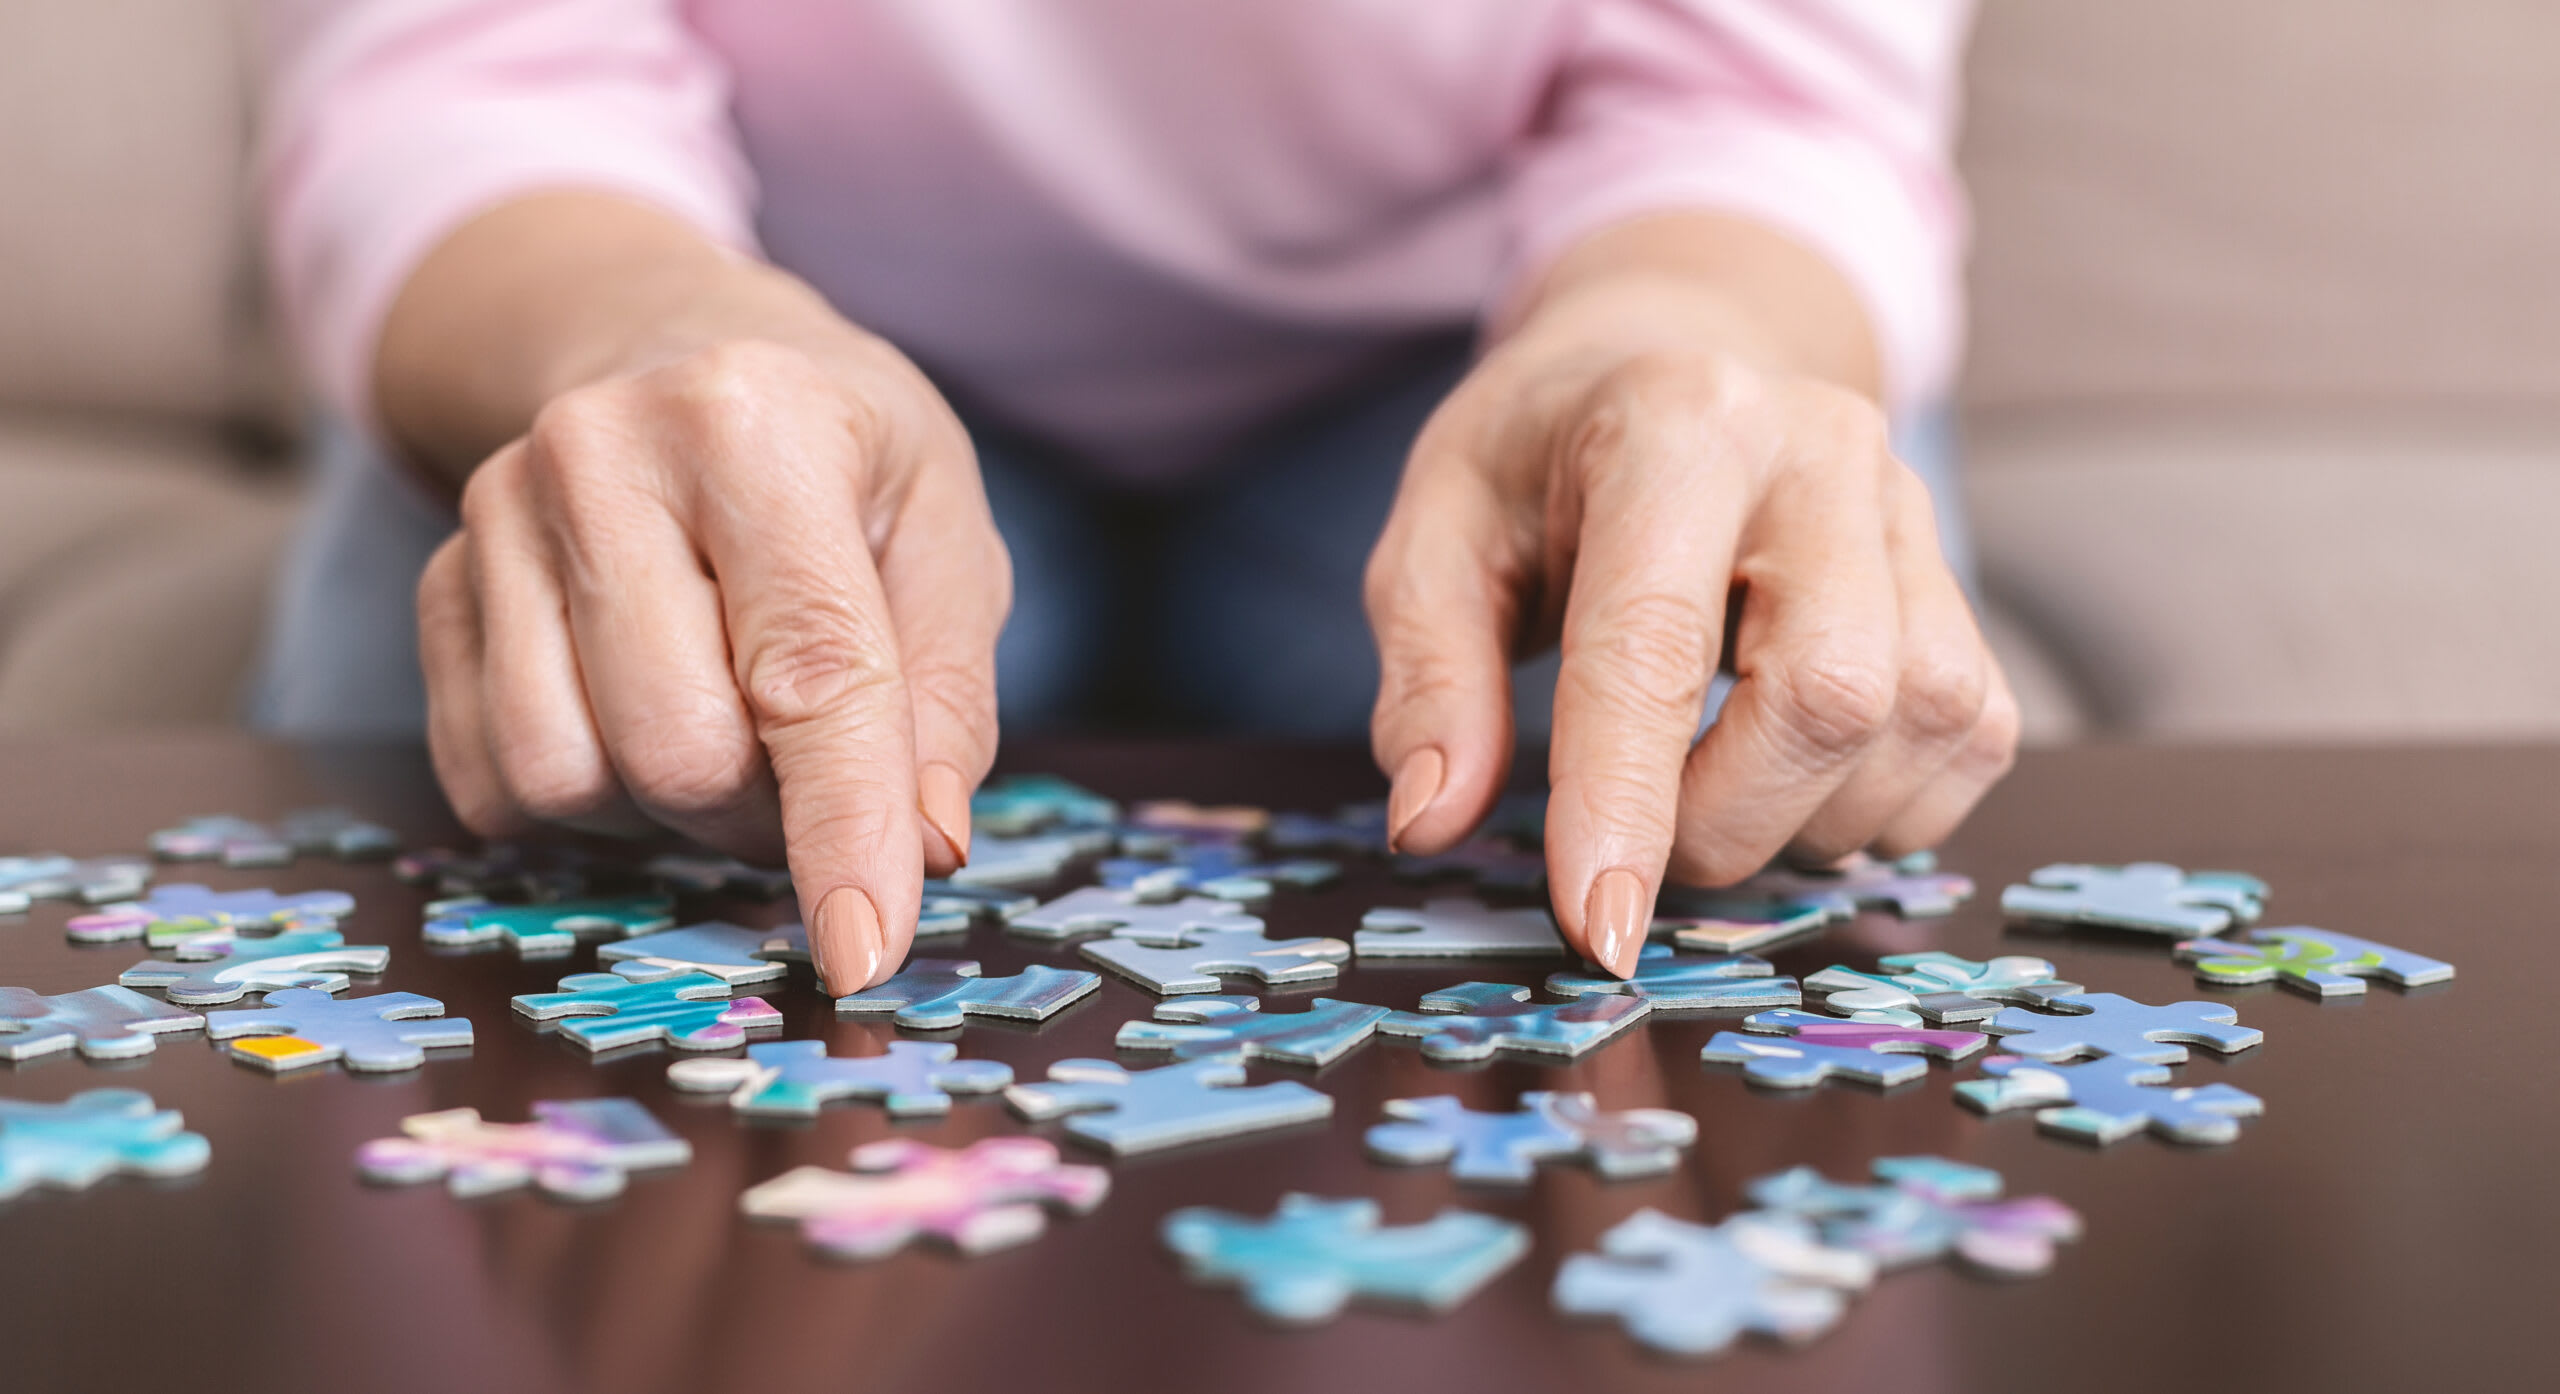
(747, 589)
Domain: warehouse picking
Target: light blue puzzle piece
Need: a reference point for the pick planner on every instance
(1936, 988)
(182, 912)
(1026, 861)
(1312, 1256)
(75, 1144)
(224, 972)
(1132, 1111)
(1927, 1208)
(1192, 961)
(932, 994)
(1820, 1047)
(949, 907)
(1200, 1026)
(549, 929)
(1911, 887)
(386, 1031)
(2153, 897)
(1690, 1289)
(2109, 1099)
(2104, 1023)
(104, 1023)
(1458, 927)
(1506, 1147)
(2321, 962)
(92, 880)
(1219, 870)
(795, 1079)
(690, 1011)
(1102, 910)
(732, 954)
(1677, 984)
(1012, 805)
(1473, 1020)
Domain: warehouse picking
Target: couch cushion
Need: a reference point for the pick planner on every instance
(2268, 575)
(2210, 201)
(134, 568)
(124, 264)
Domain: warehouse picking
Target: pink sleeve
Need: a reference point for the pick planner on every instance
(389, 123)
(1829, 120)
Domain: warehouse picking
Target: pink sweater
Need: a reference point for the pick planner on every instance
(1139, 226)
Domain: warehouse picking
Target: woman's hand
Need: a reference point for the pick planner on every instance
(1645, 471)
(740, 586)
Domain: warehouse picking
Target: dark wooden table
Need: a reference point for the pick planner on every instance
(2389, 1224)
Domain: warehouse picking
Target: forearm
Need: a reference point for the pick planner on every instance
(1709, 281)
(552, 291)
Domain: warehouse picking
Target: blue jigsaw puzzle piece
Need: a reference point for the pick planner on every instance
(210, 972)
(1691, 1289)
(2104, 1023)
(933, 994)
(1473, 1020)
(2321, 962)
(301, 1026)
(1506, 1147)
(1925, 1209)
(547, 929)
(1313, 1255)
(795, 1079)
(103, 1023)
(731, 953)
(93, 880)
(182, 911)
(2153, 897)
(1012, 805)
(1193, 1028)
(90, 1136)
(690, 1011)
(1131, 1111)
(1674, 983)
(1936, 988)
(2109, 1099)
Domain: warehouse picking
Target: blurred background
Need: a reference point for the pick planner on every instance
(2262, 414)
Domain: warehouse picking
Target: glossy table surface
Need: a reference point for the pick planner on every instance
(2390, 1223)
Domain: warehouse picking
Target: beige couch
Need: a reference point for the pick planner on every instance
(2263, 412)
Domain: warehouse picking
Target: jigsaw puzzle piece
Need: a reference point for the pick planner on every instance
(103, 1023)
(795, 1079)
(1506, 1147)
(1911, 887)
(2321, 962)
(548, 929)
(79, 1142)
(932, 994)
(977, 1199)
(575, 1149)
(1312, 1256)
(181, 911)
(91, 880)
(1101, 910)
(949, 907)
(222, 837)
(1690, 1289)
(1676, 984)
(301, 1026)
(1925, 1209)
(2104, 1023)
(1194, 960)
(1458, 927)
(2153, 897)
(1819, 1047)
(1473, 1020)
(690, 1011)
(211, 972)
(1220, 871)
(1016, 804)
(1936, 988)
(1200, 1026)
(732, 954)
(2109, 1099)
(1126, 1112)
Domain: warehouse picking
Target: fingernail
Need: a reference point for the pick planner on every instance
(942, 796)
(850, 923)
(1613, 919)
(1417, 783)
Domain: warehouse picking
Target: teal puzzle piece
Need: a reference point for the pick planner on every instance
(1473, 1020)
(2109, 1099)
(76, 1143)
(795, 1079)
(689, 1011)
(224, 971)
(932, 994)
(546, 930)
(1674, 983)
(1200, 1026)
(1312, 1256)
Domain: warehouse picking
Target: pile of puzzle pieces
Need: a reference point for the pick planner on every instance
(1175, 907)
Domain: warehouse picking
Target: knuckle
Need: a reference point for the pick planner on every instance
(691, 763)
(1834, 702)
(1992, 749)
(578, 425)
(1942, 695)
(552, 784)
(823, 664)
(1650, 652)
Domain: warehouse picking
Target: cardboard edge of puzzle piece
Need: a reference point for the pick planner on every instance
(2318, 962)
